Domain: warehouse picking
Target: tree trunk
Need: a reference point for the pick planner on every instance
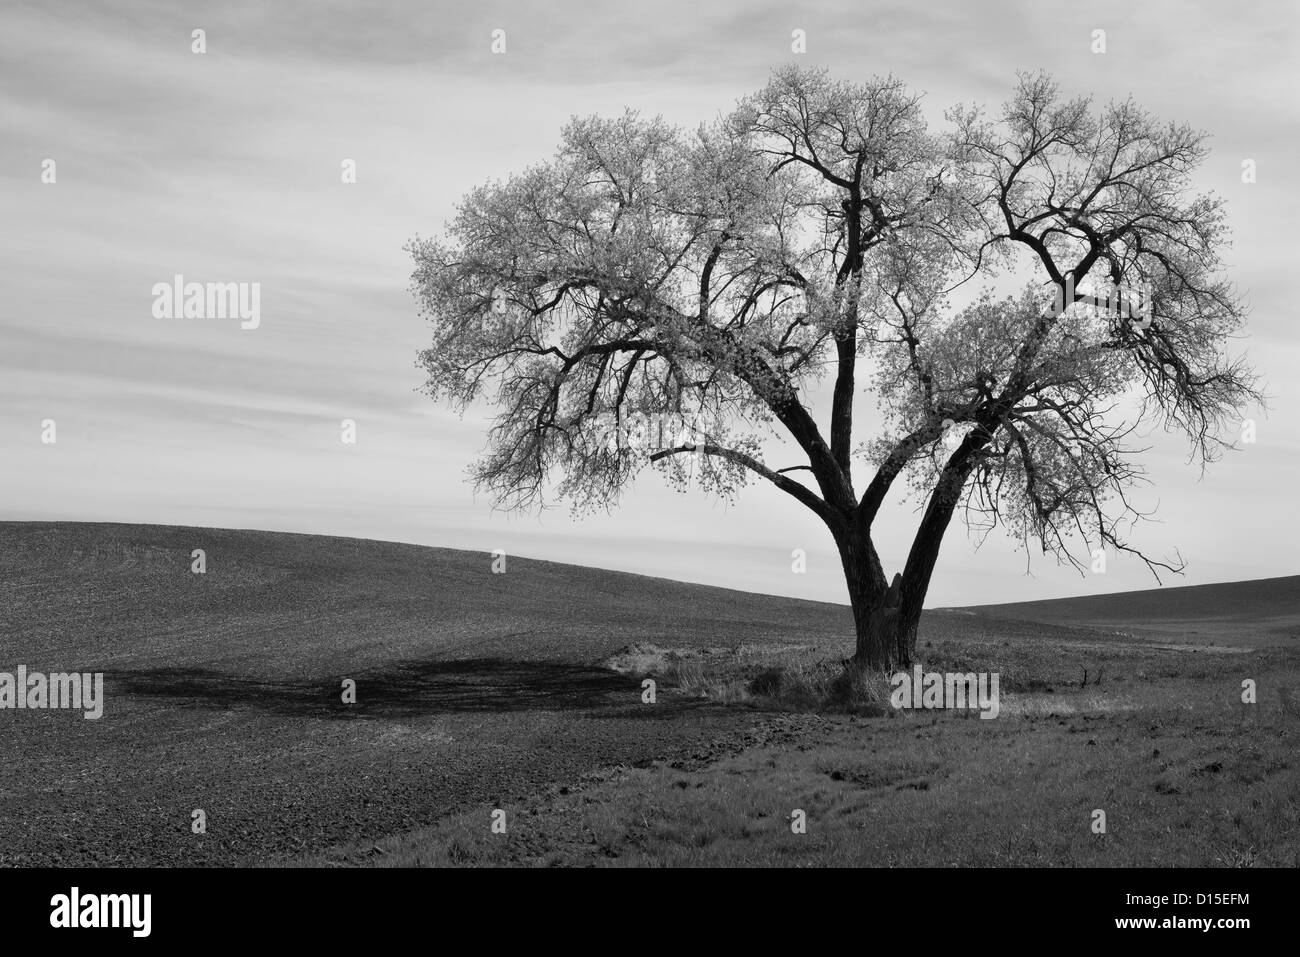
(922, 558)
(876, 611)
(887, 619)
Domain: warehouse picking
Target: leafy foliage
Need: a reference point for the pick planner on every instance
(701, 281)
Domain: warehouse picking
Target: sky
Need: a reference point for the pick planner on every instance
(225, 166)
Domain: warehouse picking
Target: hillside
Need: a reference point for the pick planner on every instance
(1260, 612)
(223, 690)
(477, 691)
(99, 594)
(124, 595)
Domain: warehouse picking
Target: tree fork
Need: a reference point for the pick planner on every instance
(875, 605)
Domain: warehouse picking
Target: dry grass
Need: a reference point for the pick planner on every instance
(763, 676)
(1187, 773)
(1201, 782)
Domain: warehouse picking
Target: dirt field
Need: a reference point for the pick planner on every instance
(478, 692)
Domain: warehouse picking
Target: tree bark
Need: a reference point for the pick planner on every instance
(887, 619)
(875, 608)
(923, 556)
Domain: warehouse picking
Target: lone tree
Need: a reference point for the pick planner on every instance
(652, 296)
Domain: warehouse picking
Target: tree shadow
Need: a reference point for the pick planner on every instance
(406, 690)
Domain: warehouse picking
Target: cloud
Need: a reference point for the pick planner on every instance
(225, 167)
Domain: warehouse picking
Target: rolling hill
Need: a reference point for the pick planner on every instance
(124, 595)
(1260, 612)
(474, 690)
(223, 689)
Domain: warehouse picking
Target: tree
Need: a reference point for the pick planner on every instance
(657, 297)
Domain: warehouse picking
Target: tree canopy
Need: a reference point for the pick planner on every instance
(699, 283)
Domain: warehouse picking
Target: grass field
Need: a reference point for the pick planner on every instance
(522, 693)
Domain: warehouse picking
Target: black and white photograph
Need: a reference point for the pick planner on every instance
(749, 436)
